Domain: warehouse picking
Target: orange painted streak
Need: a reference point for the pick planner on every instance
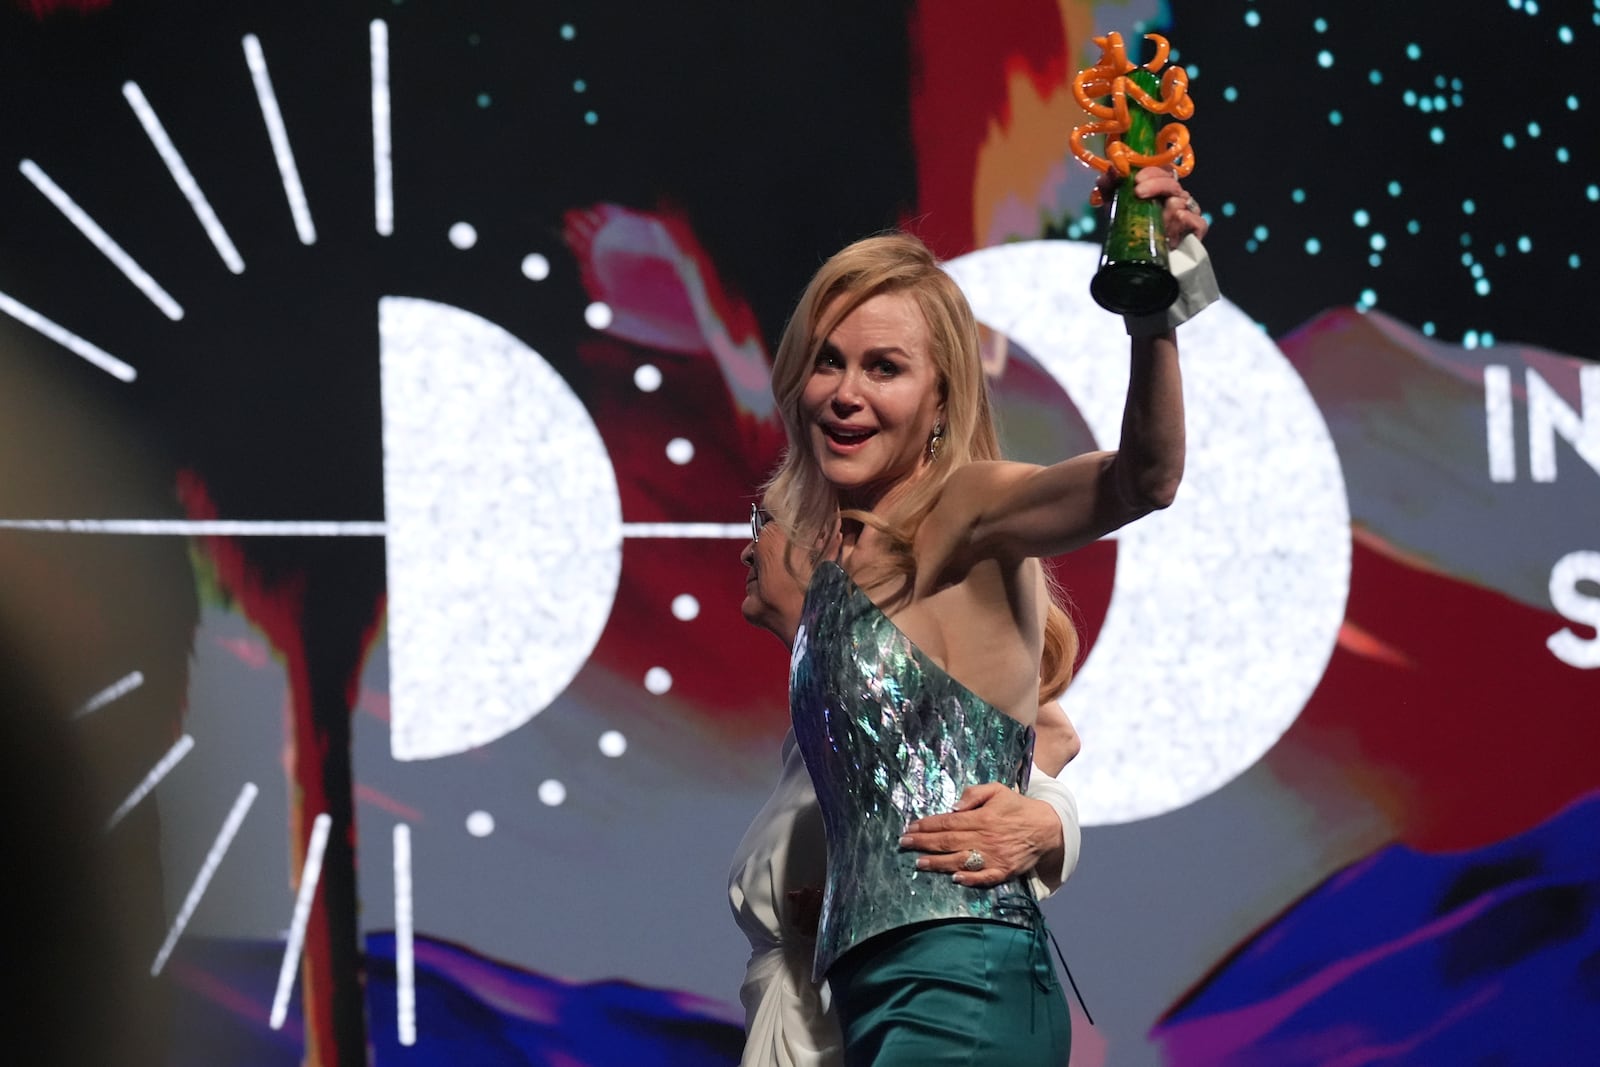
(1360, 642)
(367, 795)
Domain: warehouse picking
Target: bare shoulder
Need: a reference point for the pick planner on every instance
(944, 546)
(973, 489)
(1006, 510)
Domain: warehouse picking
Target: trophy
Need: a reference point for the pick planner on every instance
(1142, 129)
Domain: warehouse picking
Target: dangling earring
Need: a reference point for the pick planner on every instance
(935, 441)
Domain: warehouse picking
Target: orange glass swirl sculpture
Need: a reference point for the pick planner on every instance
(1142, 119)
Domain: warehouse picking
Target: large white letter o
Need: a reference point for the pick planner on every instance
(1226, 606)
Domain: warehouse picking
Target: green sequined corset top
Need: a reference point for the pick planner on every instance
(889, 737)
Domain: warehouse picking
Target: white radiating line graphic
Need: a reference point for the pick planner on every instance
(101, 240)
(292, 189)
(714, 530)
(382, 159)
(151, 780)
(315, 528)
(219, 848)
(67, 339)
(309, 876)
(115, 691)
(404, 960)
(180, 174)
(200, 527)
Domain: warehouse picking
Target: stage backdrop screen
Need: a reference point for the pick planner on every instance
(384, 389)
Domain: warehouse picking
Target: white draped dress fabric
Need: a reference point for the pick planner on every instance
(789, 1020)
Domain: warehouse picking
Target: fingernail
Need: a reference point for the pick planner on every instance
(905, 842)
(922, 864)
(956, 878)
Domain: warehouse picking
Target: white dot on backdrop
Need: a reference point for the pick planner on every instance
(463, 236)
(680, 450)
(647, 378)
(613, 744)
(597, 315)
(685, 607)
(535, 267)
(552, 792)
(480, 824)
(657, 680)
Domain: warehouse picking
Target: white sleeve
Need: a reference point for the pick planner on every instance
(1054, 792)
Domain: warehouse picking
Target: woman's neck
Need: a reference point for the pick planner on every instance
(880, 499)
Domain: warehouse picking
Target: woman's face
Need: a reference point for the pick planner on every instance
(872, 399)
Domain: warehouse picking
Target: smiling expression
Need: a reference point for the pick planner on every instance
(872, 399)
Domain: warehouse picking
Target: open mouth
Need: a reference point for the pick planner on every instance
(846, 436)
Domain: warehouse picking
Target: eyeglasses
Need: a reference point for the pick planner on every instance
(758, 519)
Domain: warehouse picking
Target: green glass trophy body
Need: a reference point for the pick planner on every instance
(1133, 278)
(1140, 128)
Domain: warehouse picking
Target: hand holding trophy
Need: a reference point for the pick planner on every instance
(1143, 128)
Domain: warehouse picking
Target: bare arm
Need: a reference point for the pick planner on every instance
(1149, 462)
(1056, 743)
(1015, 510)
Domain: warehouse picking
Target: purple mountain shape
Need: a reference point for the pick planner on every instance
(1484, 957)
(471, 1011)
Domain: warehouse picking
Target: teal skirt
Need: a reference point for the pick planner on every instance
(965, 992)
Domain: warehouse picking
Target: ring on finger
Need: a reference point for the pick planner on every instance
(974, 861)
(1192, 205)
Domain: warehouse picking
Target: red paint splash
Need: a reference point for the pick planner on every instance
(277, 608)
(963, 58)
(43, 9)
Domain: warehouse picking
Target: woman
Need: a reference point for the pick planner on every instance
(923, 634)
(775, 882)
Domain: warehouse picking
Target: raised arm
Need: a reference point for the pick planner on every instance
(1015, 510)
(1019, 510)
(1148, 464)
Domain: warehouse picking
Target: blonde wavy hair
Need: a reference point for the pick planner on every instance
(805, 503)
